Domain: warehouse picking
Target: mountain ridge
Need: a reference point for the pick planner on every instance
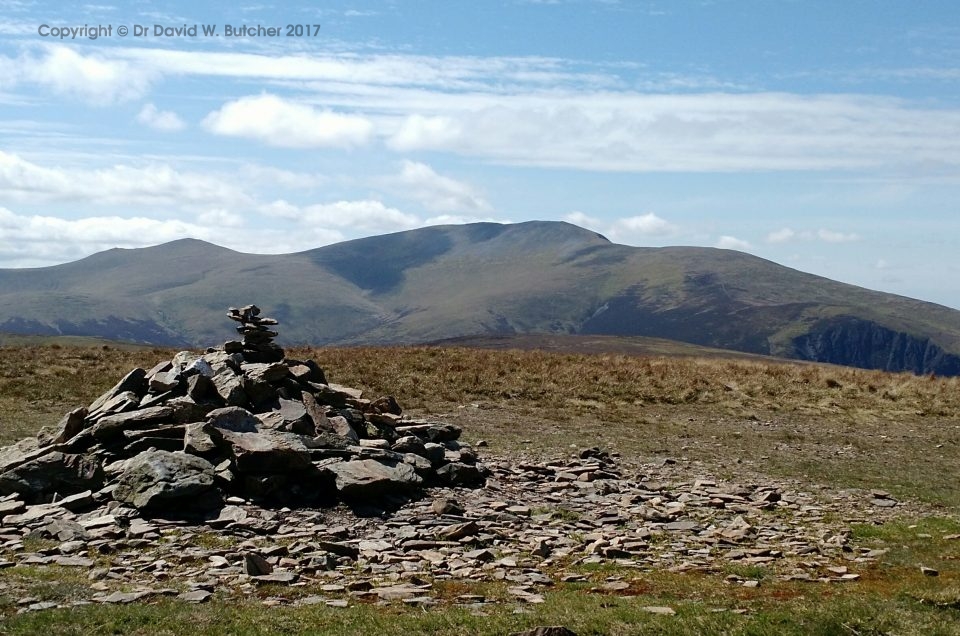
(451, 281)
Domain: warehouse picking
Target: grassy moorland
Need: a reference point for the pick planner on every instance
(833, 427)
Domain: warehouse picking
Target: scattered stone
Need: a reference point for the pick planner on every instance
(123, 598)
(73, 561)
(929, 571)
(445, 506)
(553, 630)
(43, 605)
(277, 577)
(195, 596)
(458, 531)
(526, 595)
(77, 502)
(11, 507)
(667, 611)
(256, 565)
(682, 526)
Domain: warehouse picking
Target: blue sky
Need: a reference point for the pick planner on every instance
(822, 135)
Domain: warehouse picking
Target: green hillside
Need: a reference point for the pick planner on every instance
(482, 279)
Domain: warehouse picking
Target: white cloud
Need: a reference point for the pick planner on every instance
(528, 111)
(631, 229)
(276, 121)
(460, 219)
(367, 214)
(699, 132)
(418, 132)
(583, 220)
(38, 240)
(95, 78)
(163, 120)
(436, 192)
(647, 224)
(452, 72)
(831, 236)
(112, 231)
(219, 217)
(732, 243)
(151, 185)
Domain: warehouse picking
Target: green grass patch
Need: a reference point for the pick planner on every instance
(584, 613)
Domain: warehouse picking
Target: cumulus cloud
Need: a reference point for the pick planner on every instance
(218, 208)
(646, 224)
(625, 229)
(97, 78)
(583, 220)
(437, 193)
(113, 231)
(460, 219)
(367, 214)
(153, 185)
(418, 132)
(732, 243)
(277, 121)
(35, 240)
(163, 120)
(38, 240)
(220, 218)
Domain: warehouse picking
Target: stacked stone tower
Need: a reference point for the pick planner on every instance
(257, 344)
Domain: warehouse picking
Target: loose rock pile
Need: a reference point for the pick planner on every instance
(241, 420)
(538, 525)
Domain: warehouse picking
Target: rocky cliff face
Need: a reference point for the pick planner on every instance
(862, 343)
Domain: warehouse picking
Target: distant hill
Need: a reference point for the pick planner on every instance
(482, 279)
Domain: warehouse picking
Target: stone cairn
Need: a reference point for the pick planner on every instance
(258, 344)
(241, 420)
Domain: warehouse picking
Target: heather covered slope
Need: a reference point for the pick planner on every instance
(484, 279)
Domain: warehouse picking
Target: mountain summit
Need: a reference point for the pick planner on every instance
(484, 278)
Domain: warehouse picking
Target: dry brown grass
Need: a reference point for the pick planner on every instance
(424, 377)
(38, 384)
(832, 425)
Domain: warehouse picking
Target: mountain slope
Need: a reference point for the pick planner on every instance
(450, 281)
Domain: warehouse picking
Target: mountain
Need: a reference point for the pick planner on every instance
(481, 279)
